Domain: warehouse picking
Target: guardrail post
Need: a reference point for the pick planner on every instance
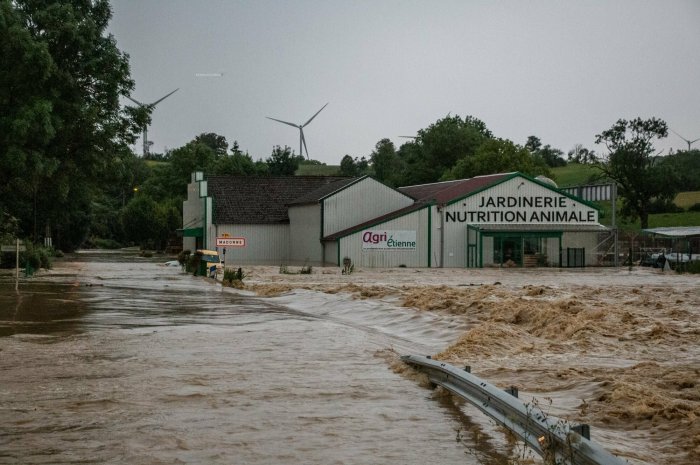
(583, 429)
(513, 391)
(468, 369)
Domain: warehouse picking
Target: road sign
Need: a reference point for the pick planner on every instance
(230, 241)
(12, 248)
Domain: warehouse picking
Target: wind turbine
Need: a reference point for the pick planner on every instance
(302, 141)
(149, 107)
(690, 142)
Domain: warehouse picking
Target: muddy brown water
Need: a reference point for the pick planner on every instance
(128, 361)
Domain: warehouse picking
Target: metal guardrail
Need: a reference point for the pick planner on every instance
(554, 439)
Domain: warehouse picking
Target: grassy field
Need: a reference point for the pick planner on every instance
(687, 199)
(656, 220)
(574, 174)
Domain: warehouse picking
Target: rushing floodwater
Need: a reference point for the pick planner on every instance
(139, 363)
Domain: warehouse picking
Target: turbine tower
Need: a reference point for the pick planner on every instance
(690, 142)
(302, 141)
(149, 107)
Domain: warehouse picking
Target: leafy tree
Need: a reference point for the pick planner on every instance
(214, 141)
(283, 162)
(386, 163)
(498, 156)
(353, 167)
(347, 166)
(582, 155)
(61, 122)
(441, 145)
(686, 164)
(9, 227)
(239, 164)
(141, 222)
(551, 156)
(632, 165)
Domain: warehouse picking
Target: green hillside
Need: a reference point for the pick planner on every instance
(574, 174)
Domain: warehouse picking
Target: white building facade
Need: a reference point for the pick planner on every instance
(503, 220)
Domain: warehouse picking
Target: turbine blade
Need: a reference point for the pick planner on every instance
(314, 116)
(163, 98)
(135, 101)
(303, 141)
(680, 136)
(285, 122)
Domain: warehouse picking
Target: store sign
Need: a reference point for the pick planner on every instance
(393, 240)
(524, 209)
(230, 241)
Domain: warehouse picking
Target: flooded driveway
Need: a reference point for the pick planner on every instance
(128, 361)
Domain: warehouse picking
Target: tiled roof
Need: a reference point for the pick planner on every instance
(260, 200)
(317, 194)
(444, 192)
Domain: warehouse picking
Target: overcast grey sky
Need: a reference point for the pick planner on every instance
(561, 70)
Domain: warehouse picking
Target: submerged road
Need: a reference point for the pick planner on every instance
(128, 361)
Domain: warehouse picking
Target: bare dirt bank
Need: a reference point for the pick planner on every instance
(617, 349)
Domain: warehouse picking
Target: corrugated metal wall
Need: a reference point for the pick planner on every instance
(305, 235)
(351, 245)
(455, 245)
(362, 201)
(266, 244)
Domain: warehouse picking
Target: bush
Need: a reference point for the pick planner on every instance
(184, 257)
(233, 278)
(193, 262)
(36, 257)
(109, 244)
(690, 267)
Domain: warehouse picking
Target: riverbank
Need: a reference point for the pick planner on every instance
(617, 349)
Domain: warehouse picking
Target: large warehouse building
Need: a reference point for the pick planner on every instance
(504, 219)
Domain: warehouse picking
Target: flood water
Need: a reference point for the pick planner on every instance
(132, 362)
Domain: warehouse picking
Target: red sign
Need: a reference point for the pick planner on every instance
(230, 241)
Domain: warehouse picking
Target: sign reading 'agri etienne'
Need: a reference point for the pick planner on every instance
(393, 240)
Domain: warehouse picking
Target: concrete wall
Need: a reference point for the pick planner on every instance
(588, 241)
